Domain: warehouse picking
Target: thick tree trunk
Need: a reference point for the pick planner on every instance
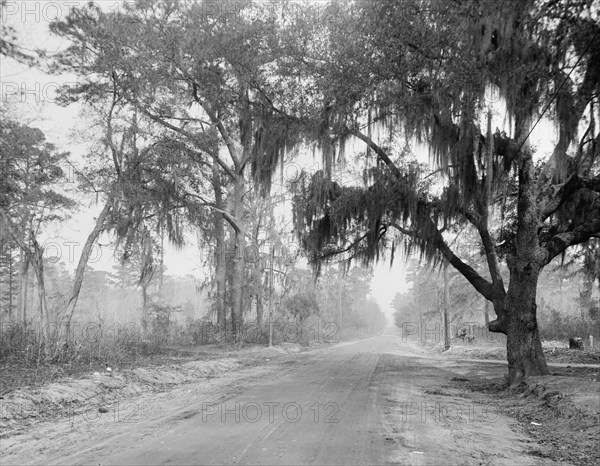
(238, 260)
(220, 277)
(220, 271)
(229, 253)
(23, 285)
(259, 303)
(146, 275)
(83, 260)
(517, 311)
(523, 344)
(259, 293)
(37, 261)
(238, 284)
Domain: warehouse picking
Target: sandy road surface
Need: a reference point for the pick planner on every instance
(369, 402)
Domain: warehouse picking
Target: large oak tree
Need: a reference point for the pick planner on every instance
(423, 72)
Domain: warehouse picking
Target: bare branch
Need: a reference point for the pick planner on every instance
(233, 153)
(483, 286)
(379, 151)
(188, 135)
(226, 215)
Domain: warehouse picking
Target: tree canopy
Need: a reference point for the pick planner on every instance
(436, 102)
(423, 73)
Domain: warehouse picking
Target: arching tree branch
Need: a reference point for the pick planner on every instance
(560, 242)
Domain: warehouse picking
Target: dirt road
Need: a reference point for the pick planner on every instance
(368, 402)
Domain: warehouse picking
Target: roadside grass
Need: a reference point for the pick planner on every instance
(560, 411)
(28, 365)
(89, 395)
(26, 361)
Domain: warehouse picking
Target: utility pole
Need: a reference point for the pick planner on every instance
(487, 314)
(446, 305)
(340, 289)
